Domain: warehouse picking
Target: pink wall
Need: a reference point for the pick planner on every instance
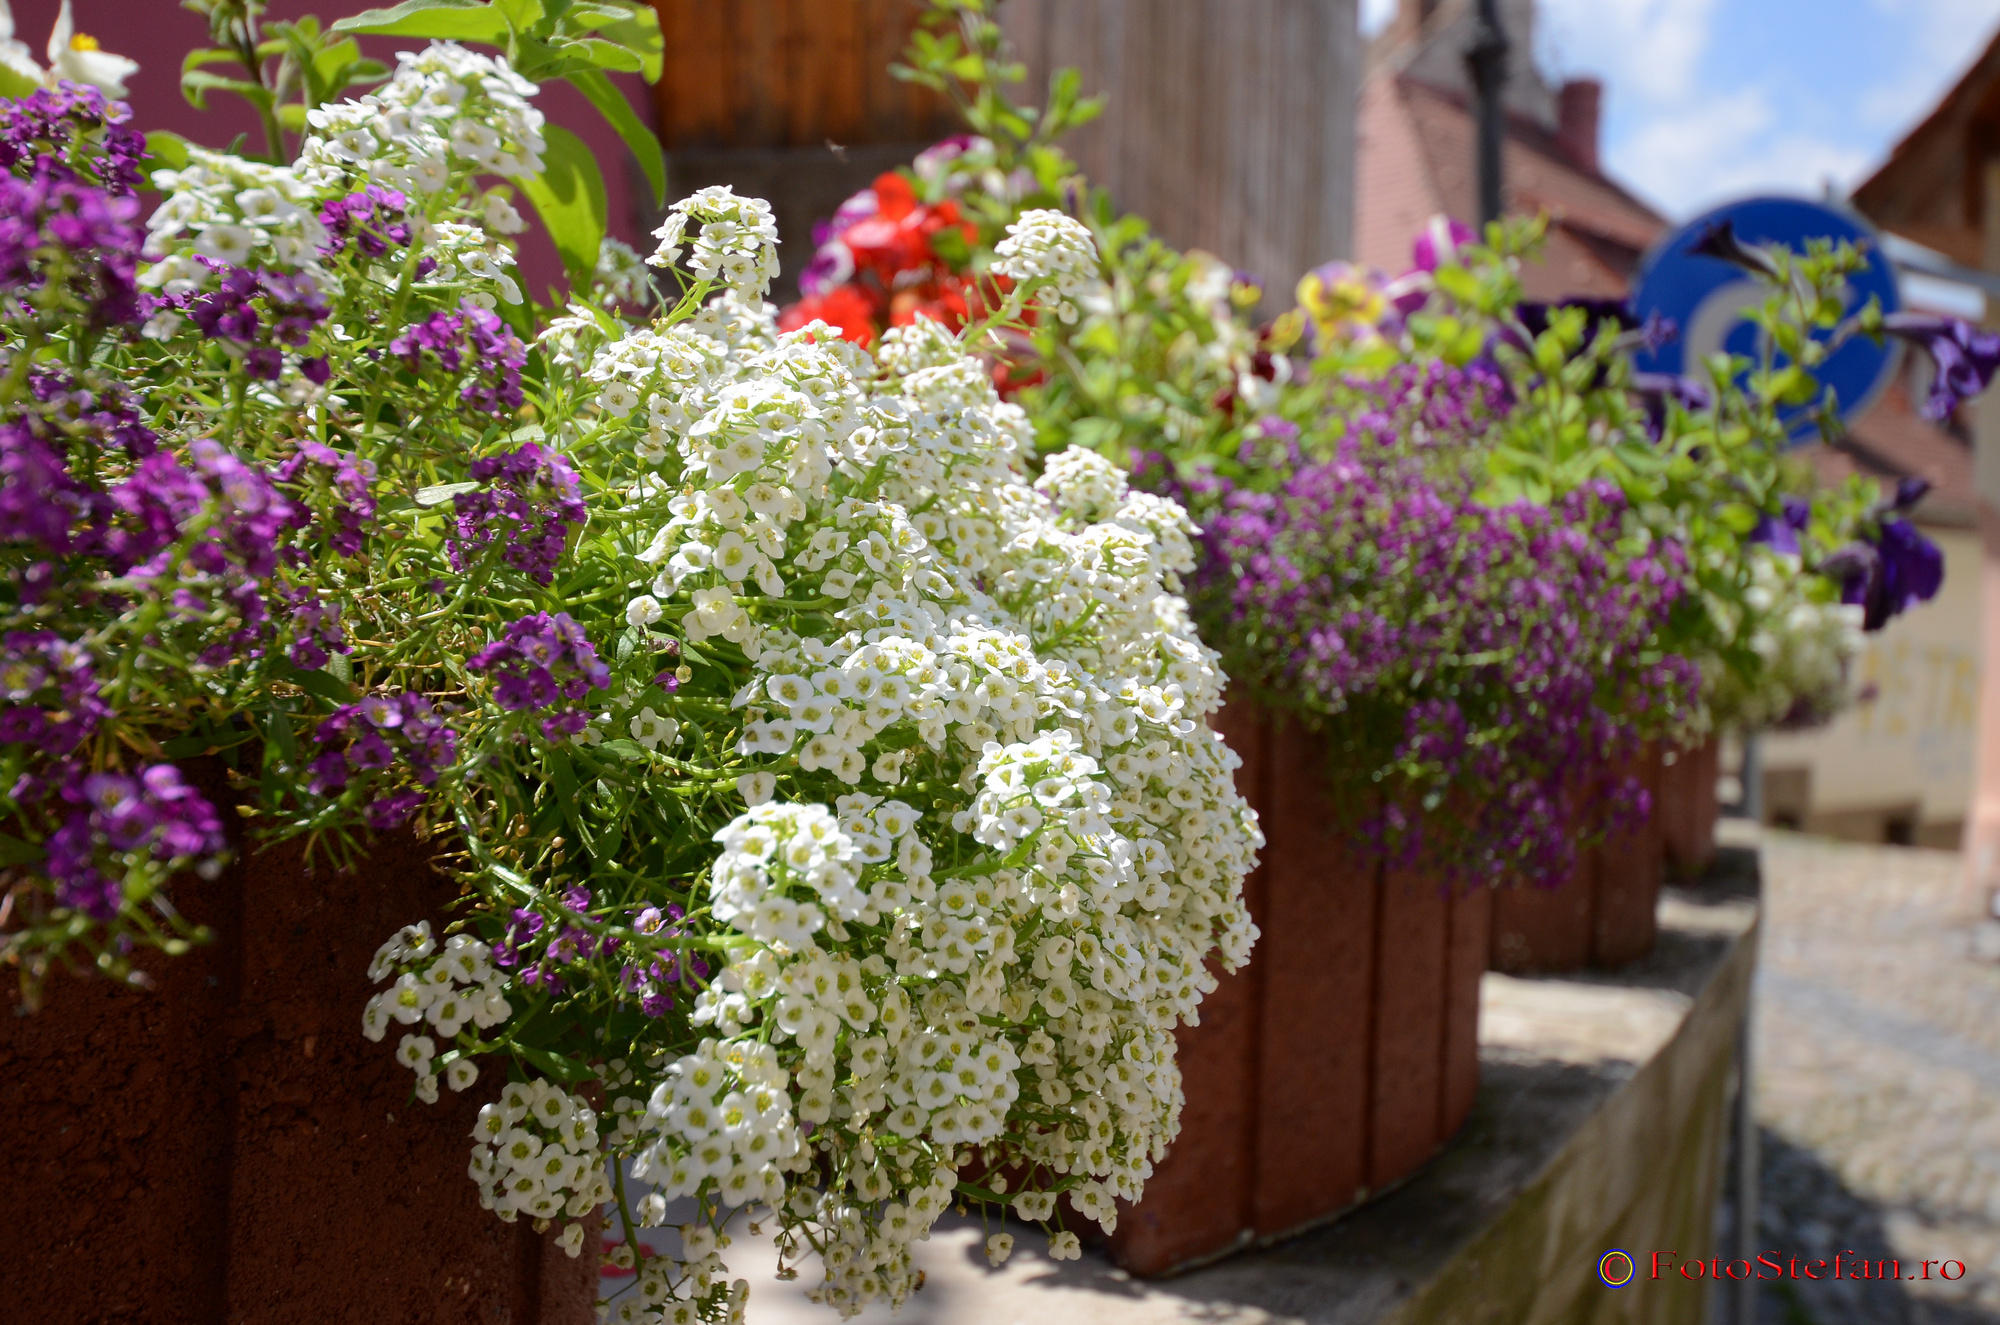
(157, 33)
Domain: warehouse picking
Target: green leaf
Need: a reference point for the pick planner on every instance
(632, 27)
(562, 1069)
(13, 851)
(1739, 517)
(630, 751)
(523, 14)
(611, 103)
(440, 493)
(15, 84)
(569, 194)
(603, 54)
(168, 149)
(320, 685)
(446, 20)
(196, 84)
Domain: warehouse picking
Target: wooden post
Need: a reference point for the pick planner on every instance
(1229, 124)
(1982, 820)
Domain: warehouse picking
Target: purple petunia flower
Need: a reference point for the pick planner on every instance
(1965, 358)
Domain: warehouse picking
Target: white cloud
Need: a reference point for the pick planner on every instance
(1651, 49)
(1944, 37)
(1726, 147)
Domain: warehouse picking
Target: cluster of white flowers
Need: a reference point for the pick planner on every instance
(445, 115)
(232, 211)
(1049, 249)
(536, 1152)
(442, 992)
(722, 1114)
(735, 245)
(990, 839)
(1805, 638)
(621, 276)
(680, 1290)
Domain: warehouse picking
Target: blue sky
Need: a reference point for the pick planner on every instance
(1711, 99)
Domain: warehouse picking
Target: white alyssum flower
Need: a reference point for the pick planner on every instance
(974, 841)
(1049, 249)
(1046, 906)
(735, 243)
(621, 276)
(1806, 639)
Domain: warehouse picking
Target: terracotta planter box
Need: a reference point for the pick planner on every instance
(227, 1147)
(1689, 808)
(1342, 1058)
(1605, 914)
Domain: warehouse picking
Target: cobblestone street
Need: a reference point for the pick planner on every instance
(1878, 1084)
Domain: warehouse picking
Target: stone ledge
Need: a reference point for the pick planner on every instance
(1601, 1122)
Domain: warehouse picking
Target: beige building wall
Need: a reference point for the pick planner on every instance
(1906, 756)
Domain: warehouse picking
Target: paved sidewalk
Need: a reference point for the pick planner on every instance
(1878, 1080)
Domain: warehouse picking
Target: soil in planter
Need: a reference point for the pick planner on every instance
(228, 1147)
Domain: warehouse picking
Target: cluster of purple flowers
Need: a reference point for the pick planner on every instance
(1447, 642)
(153, 816)
(375, 220)
(541, 948)
(70, 132)
(105, 415)
(260, 314)
(40, 501)
(314, 625)
(338, 486)
(133, 524)
(88, 236)
(241, 520)
(49, 689)
(470, 336)
(544, 662)
(531, 503)
(381, 745)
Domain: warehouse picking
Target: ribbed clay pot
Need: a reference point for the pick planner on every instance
(1689, 809)
(1342, 1057)
(227, 1147)
(1605, 914)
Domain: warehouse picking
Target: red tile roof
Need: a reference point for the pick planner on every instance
(1414, 160)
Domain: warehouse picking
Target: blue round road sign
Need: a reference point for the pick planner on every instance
(1707, 297)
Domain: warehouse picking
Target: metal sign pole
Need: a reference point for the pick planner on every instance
(1486, 58)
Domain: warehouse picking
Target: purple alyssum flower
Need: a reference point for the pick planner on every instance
(260, 313)
(544, 662)
(338, 486)
(70, 132)
(531, 502)
(471, 340)
(380, 745)
(48, 692)
(88, 236)
(374, 220)
(153, 817)
(1448, 642)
